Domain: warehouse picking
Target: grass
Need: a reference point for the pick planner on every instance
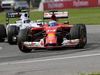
(33, 7)
(93, 73)
(88, 16)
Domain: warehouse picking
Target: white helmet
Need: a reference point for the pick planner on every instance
(27, 20)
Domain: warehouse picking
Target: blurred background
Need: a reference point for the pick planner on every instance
(42, 5)
(47, 4)
(80, 11)
(17, 5)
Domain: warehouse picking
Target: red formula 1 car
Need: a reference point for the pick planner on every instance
(53, 35)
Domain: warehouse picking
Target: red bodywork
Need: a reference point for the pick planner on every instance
(51, 37)
(50, 34)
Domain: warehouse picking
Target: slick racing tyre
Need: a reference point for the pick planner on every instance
(78, 32)
(12, 32)
(23, 36)
(83, 25)
(59, 39)
(2, 33)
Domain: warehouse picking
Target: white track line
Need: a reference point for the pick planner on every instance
(44, 60)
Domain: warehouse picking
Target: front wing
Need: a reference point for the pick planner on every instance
(40, 44)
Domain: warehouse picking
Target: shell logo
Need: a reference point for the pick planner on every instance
(51, 36)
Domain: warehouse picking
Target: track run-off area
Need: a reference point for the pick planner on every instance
(62, 61)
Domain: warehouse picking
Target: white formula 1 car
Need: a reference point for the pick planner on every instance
(12, 30)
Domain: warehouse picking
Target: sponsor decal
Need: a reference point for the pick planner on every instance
(98, 2)
(32, 44)
(55, 5)
(51, 36)
(50, 42)
(71, 4)
(51, 30)
(69, 42)
(80, 3)
(42, 43)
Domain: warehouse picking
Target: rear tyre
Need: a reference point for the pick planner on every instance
(2, 33)
(22, 37)
(78, 32)
(12, 32)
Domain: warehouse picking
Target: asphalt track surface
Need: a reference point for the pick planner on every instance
(63, 61)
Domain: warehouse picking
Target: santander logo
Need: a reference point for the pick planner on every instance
(80, 3)
(55, 5)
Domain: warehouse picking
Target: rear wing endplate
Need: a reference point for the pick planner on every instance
(57, 14)
(14, 15)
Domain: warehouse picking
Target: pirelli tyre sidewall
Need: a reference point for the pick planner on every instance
(12, 32)
(23, 36)
(78, 32)
(85, 30)
(2, 33)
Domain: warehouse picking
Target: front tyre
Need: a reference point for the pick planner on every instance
(85, 30)
(59, 40)
(22, 37)
(78, 32)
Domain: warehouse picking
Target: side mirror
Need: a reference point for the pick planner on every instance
(66, 23)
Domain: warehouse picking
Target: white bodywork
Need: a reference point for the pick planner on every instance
(57, 14)
(40, 44)
(23, 25)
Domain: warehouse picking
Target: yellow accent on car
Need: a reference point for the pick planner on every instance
(75, 40)
(51, 35)
(26, 43)
(12, 4)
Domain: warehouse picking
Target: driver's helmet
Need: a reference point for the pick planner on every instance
(52, 23)
(27, 20)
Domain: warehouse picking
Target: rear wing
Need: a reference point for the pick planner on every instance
(15, 15)
(57, 14)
